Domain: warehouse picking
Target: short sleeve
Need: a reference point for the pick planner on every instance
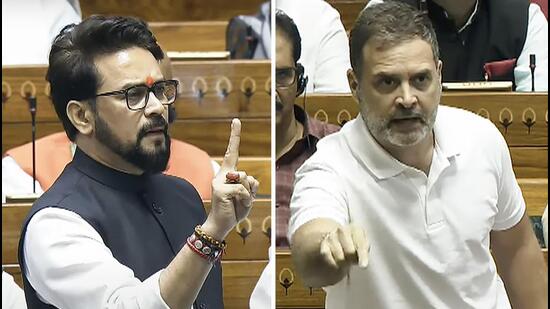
(510, 202)
(318, 193)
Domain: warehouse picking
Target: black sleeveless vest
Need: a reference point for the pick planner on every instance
(498, 32)
(144, 220)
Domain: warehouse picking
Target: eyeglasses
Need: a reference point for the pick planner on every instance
(166, 91)
(285, 77)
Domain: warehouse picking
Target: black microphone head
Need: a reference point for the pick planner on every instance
(32, 104)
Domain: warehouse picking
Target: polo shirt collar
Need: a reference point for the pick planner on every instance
(110, 177)
(446, 135)
(379, 161)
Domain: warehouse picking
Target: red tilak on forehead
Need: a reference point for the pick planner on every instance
(149, 81)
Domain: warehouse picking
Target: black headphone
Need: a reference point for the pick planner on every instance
(301, 80)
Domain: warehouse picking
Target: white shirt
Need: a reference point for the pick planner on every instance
(12, 294)
(429, 235)
(29, 27)
(69, 266)
(544, 221)
(261, 295)
(325, 49)
(536, 42)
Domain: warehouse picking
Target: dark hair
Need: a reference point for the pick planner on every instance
(287, 25)
(72, 73)
(390, 23)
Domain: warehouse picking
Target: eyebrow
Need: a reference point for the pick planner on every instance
(383, 74)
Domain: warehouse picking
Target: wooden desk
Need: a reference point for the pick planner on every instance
(172, 10)
(349, 10)
(190, 35)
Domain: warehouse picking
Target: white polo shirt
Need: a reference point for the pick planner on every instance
(429, 235)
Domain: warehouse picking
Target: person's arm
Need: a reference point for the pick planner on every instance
(536, 43)
(181, 281)
(521, 265)
(15, 181)
(323, 251)
(69, 266)
(323, 243)
(333, 53)
(514, 246)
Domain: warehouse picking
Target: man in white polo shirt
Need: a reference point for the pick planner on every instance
(401, 208)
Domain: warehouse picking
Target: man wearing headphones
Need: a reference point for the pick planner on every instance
(296, 134)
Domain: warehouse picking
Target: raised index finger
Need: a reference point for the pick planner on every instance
(232, 154)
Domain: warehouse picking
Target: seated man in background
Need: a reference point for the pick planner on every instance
(29, 27)
(113, 231)
(325, 51)
(55, 151)
(296, 133)
(473, 33)
(412, 204)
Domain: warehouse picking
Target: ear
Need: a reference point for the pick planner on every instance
(81, 116)
(440, 70)
(353, 84)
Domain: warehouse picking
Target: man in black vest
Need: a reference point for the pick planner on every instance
(478, 34)
(113, 231)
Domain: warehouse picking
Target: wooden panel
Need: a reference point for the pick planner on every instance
(530, 162)
(239, 280)
(259, 167)
(256, 232)
(171, 10)
(296, 295)
(211, 136)
(535, 193)
(210, 76)
(12, 220)
(250, 240)
(190, 36)
(499, 106)
(349, 10)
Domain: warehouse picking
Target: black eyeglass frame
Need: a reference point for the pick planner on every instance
(294, 80)
(149, 90)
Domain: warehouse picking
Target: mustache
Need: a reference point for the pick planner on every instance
(401, 114)
(157, 121)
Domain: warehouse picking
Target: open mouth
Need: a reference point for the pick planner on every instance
(155, 131)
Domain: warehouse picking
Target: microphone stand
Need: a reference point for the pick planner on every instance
(532, 66)
(32, 109)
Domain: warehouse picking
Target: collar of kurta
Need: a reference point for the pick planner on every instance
(108, 176)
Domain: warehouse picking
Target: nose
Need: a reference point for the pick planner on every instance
(407, 97)
(153, 105)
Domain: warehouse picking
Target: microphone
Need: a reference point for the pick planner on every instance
(532, 66)
(32, 109)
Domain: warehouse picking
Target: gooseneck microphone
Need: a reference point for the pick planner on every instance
(32, 109)
(532, 66)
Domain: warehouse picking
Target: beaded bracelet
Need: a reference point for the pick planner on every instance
(205, 246)
(199, 232)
